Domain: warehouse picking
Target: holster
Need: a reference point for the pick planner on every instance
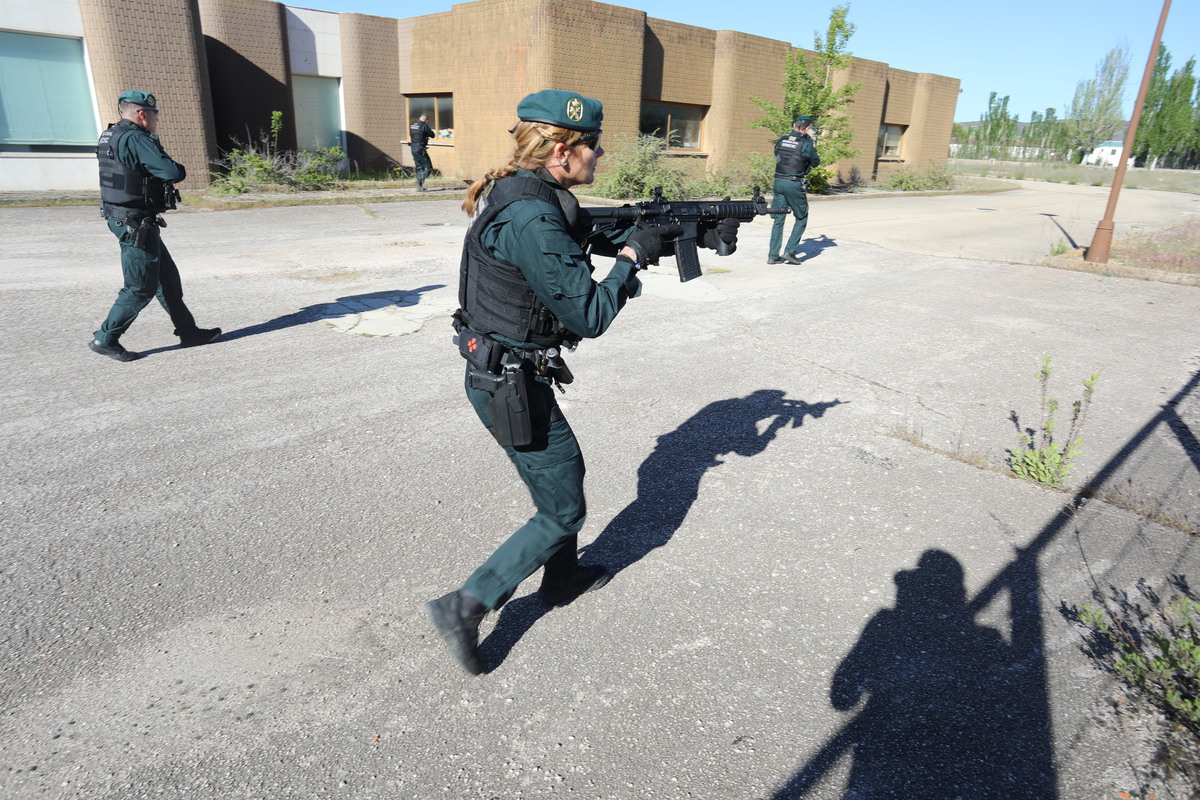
(512, 420)
(140, 228)
(499, 372)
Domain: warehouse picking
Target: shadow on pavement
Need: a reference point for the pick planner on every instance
(945, 707)
(360, 302)
(811, 248)
(668, 484)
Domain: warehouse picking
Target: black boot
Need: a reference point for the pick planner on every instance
(581, 581)
(456, 617)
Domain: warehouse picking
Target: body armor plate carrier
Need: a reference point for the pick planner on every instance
(494, 297)
(124, 188)
(790, 160)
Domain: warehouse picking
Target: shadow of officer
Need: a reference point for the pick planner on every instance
(668, 484)
(669, 478)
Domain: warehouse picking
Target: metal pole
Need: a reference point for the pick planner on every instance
(1102, 238)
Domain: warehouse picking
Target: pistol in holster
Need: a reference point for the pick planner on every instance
(500, 372)
(140, 227)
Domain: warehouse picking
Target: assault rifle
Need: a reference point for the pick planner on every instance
(695, 217)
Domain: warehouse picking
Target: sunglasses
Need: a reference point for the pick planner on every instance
(592, 140)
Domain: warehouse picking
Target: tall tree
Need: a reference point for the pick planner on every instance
(1146, 147)
(996, 129)
(1167, 134)
(809, 91)
(1095, 113)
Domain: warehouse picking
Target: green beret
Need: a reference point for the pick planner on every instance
(564, 109)
(140, 98)
(802, 119)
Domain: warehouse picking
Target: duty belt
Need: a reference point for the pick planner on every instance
(123, 214)
(791, 177)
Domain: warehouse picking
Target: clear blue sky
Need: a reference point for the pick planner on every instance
(1033, 51)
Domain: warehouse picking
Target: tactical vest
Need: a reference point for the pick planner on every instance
(123, 187)
(494, 297)
(790, 159)
(417, 134)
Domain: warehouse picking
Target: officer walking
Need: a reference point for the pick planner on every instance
(526, 292)
(137, 184)
(419, 134)
(795, 155)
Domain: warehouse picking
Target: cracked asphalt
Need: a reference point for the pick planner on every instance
(214, 559)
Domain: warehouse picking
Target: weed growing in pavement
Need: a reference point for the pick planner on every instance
(1156, 509)
(1151, 645)
(1040, 457)
(1060, 247)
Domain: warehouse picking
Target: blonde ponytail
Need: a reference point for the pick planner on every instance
(534, 143)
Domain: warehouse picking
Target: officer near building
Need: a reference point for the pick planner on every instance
(419, 134)
(526, 292)
(795, 155)
(137, 184)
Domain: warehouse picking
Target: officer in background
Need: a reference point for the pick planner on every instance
(526, 291)
(795, 155)
(137, 184)
(419, 134)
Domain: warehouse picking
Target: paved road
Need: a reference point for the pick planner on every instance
(215, 558)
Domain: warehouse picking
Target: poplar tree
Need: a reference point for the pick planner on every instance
(1167, 133)
(809, 91)
(1095, 114)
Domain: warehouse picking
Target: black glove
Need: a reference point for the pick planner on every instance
(725, 232)
(649, 243)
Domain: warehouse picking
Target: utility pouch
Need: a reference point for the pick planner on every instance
(512, 422)
(481, 351)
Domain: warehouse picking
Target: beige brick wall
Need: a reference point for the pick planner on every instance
(744, 66)
(246, 45)
(586, 39)
(487, 55)
(375, 127)
(677, 65)
(170, 63)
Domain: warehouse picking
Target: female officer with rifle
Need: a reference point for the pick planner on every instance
(525, 292)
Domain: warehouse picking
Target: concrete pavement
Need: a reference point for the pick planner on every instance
(215, 558)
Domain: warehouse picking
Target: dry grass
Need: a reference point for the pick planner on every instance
(1174, 249)
(1170, 180)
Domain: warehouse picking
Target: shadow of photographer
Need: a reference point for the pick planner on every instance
(946, 707)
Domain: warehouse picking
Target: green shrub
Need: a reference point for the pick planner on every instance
(907, 179)
(632, 171)
(1155, 650)
(261, 165)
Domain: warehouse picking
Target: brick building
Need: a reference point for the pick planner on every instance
(221, 67)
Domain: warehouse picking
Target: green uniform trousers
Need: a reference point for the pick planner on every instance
(148, 274)
(552, 469)
(788, 194)
(423, 164)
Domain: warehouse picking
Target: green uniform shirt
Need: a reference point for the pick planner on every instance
(140, 148)
(533, 236)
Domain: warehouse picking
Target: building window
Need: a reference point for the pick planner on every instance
(889, 141)
(318, 112)
(679, 125)
(439, 107)
(45, 98)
